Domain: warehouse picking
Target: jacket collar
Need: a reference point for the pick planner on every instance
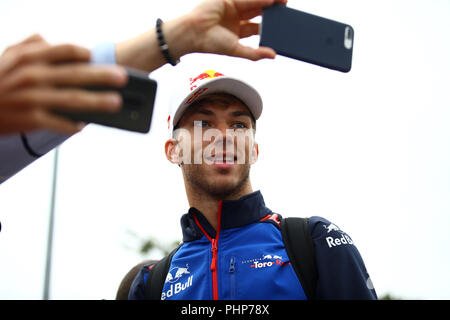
(235, 213)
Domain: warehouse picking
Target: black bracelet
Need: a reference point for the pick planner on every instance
(163, 45)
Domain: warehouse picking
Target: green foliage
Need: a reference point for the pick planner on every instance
(149, 246)
(388, 296)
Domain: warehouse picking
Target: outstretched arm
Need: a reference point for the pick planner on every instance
(214, 26)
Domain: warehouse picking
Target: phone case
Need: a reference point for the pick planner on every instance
(136, 113)
(307, 37)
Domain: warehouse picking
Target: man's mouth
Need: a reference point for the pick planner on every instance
(222, 158)
(223, 161)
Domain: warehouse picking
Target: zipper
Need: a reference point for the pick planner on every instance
(232, 273)
(214, 249)
(214, 269)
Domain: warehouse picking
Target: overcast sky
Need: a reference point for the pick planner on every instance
(368, 150)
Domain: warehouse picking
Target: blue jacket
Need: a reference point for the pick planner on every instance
(246, 258)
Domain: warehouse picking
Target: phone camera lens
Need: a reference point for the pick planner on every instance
(348, 38)
(350, 34)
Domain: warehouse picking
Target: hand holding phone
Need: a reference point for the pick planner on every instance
(136, 113)
(307, 37)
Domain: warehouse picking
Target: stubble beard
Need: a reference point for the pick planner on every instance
(201, 183)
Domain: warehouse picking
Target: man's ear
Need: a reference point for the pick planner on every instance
(173, 151)
(255, 153)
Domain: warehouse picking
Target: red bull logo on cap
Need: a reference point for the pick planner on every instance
(208, 74)
(195, 95)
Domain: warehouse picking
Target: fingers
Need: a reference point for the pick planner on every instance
(43, 53)
(33, 119)
(248, 9)
(248, 29)
(64, 99)
(56, 123)
(55, 54)
(34, 81)
(36, 78)
(252, 53)
(74, 74)
(87, 75)
(248, 5)
(247, 15)
(35, 38)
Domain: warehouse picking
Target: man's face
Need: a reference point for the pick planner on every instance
(216, 144)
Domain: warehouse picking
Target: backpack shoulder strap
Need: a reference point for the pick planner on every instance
(127, 281)
(300, 249)
(157, 276)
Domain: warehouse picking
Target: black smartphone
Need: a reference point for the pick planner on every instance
(136, 113)
(307, 37)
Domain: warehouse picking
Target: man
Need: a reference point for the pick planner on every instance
(36, 77)
(232, 244)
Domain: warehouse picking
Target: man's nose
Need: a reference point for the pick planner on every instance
(226, 137)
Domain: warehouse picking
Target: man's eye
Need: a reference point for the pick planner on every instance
(201, 123)
(239, 125)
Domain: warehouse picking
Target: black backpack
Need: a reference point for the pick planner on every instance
(299, 247)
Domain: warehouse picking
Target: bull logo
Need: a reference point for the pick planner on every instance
(176, 273)
(208, 74)
(332, 227)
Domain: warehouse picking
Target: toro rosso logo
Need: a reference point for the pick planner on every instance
(268, 260)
